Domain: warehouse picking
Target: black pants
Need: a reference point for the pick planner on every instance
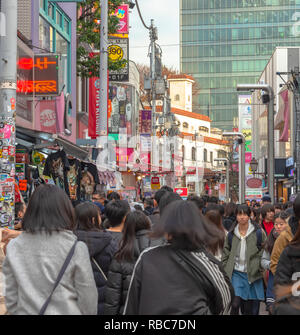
(248, 307)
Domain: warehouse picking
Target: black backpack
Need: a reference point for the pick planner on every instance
(258, 238)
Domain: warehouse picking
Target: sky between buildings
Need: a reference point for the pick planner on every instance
(165, 14)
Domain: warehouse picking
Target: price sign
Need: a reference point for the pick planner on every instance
(118, 50)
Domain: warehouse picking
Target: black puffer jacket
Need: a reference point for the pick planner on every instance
(102, 248)
(119, 276)
(288, 265)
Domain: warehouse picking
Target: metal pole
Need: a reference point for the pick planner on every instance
(102, 126)
(8, 87)
(197, 172)
(227, 181)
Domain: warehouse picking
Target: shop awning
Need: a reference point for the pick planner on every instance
(41, 140)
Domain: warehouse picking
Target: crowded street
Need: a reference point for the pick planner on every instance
(149, 160)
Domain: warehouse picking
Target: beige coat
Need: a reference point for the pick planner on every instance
(281, 242)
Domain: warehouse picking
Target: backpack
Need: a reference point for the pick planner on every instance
(258, 238)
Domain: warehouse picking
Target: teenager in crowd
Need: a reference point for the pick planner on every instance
(267, 214)
(280, 224)
(135, 240)
(182, 277)
(34, 260)
(100, 245)
(241, 260)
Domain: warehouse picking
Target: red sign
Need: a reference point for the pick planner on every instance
(254, 183)
(155, 180)
(94, 107)
(182, 191)
(45, 69)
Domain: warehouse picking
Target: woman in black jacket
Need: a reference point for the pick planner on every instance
(135, 240)
(100, 243)
(287, 278)
(181, 277)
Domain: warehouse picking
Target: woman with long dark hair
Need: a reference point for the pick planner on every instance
(181, 277)
(288, 268)
(135, 240)
(215, 218)
(36, 257)
(241, 260)
(280, 224)
(100, 243)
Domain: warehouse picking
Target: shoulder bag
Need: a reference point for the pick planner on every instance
(60, 275)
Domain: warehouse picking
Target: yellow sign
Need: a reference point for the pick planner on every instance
(155, 186)
(115, 53)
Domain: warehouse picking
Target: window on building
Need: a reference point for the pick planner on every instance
(205, 155)
(205, 129)
(177, 97)
(211, 157)
(185, 125)
(193, 153)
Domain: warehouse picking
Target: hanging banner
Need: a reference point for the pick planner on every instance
(122, 13)
(94, 107)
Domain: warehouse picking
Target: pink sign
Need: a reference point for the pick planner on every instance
(248, 157)
(122, 14)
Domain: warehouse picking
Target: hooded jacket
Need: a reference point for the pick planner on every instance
(233, 258)
(164, 282)
(282, 241)
(102, 248)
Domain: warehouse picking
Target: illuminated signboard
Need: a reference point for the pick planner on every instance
(45, 74)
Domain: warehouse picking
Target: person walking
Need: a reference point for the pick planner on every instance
(280, 225)
(215, 218)
(116, 212)
(288, 273)
(286, 236)
(181, 277)
(120, 272)
(267, 214)
(100, 244)
(241, 260)
(229, 216)
(36, 257)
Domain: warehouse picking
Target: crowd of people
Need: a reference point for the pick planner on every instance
(163, 256)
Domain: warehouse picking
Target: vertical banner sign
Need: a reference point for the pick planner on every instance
(145, 125)
(245, 127)
(122, 13)
(94, 107)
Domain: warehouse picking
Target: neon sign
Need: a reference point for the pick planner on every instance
(45, 73)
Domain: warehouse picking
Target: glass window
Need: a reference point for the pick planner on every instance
(66, 26)
(62, 49)
(58, 18)
(45, 35)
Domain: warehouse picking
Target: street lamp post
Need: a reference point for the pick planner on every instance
(241, 164)
(226, 161)
(271, 149)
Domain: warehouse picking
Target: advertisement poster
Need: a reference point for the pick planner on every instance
(118, 50)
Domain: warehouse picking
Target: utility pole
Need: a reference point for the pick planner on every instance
(8, 90)
(153, 38)
(102, 126)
